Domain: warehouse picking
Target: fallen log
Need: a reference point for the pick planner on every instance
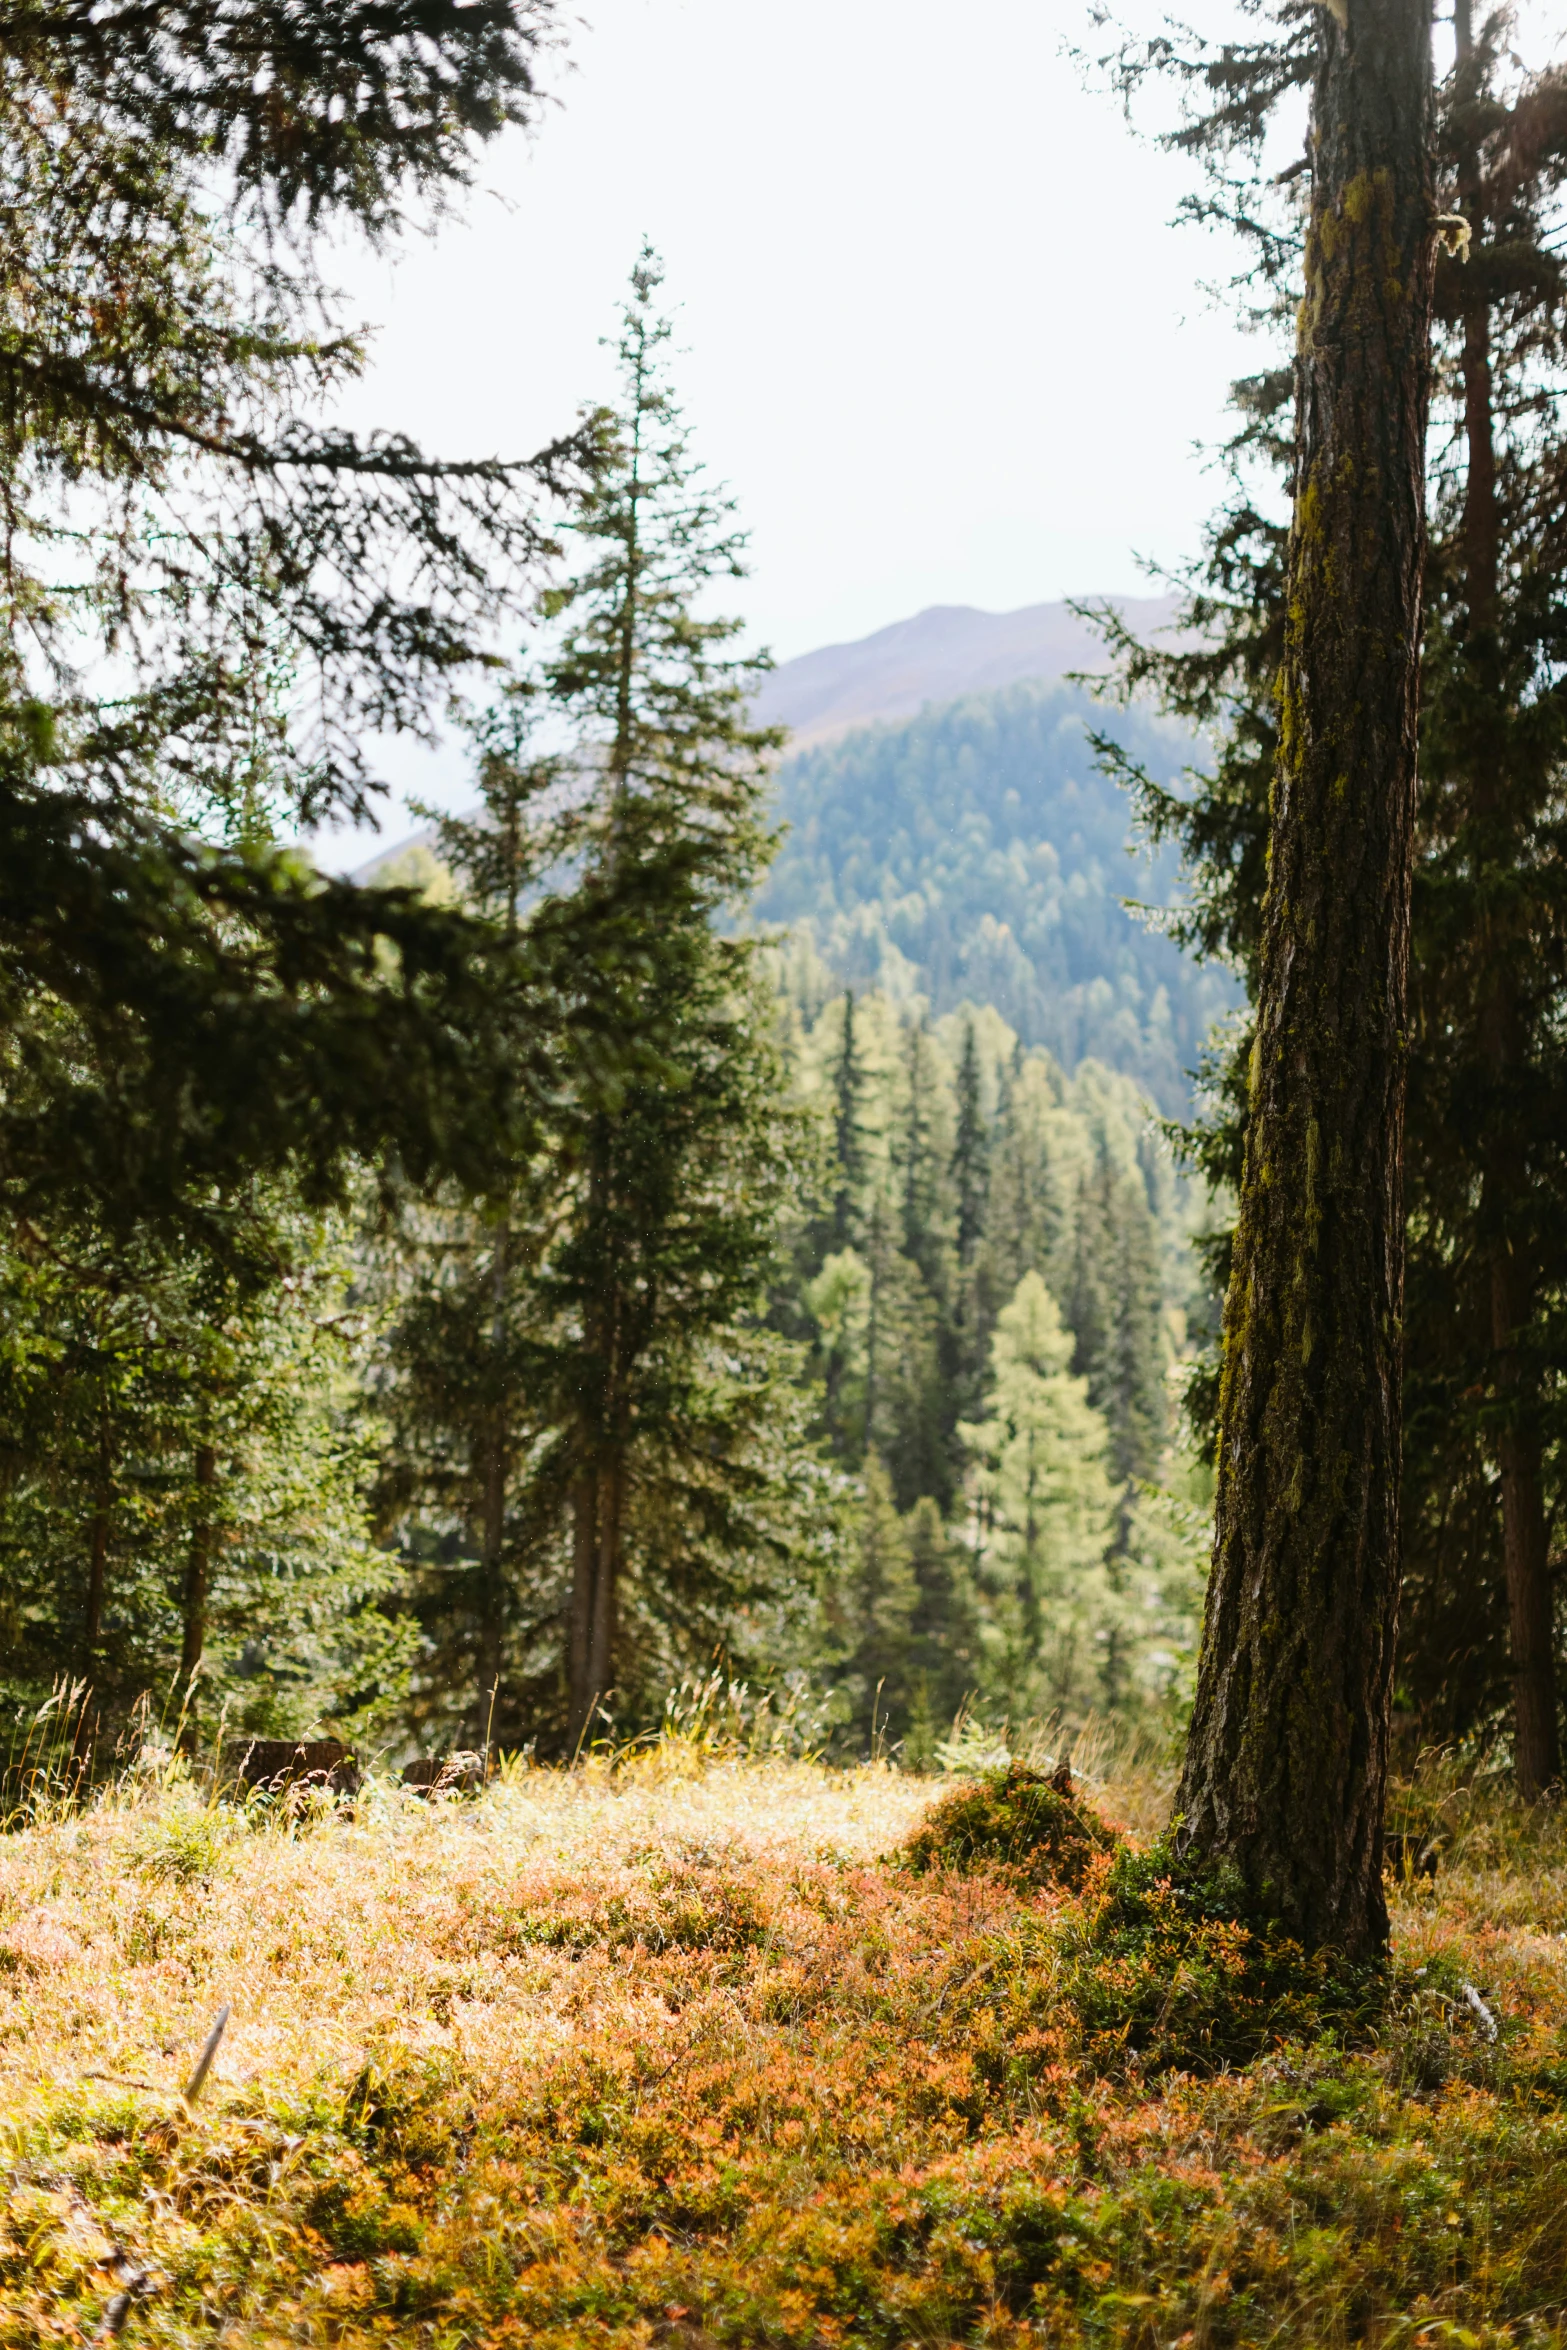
(463, 1773)
(276, 1763)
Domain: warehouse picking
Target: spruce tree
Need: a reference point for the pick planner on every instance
(945, 1657)
(181, 1003)
(872, 1615)
(677, 1172)
(922, 1237)
(970, 1153)
(182, 1514)
(1113, 1303)
(463, 1475)
(848, 1133)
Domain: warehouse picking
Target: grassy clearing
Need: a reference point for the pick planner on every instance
(671, 2054)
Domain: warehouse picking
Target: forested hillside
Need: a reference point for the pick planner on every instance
(977, 853)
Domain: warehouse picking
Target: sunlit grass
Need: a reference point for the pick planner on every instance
(669, 2052)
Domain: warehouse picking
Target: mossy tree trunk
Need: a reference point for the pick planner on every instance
(1286, 1763)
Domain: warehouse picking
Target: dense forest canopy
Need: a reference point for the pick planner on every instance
(979, 852)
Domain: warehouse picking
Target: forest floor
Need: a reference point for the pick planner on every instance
(673, 2054)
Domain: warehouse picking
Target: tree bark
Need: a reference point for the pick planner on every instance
(584, 1546)
(606, 1580)
(492, 1532)
(97, 1558)
(198, 1578)
(1286, 1765)
(597, 1499)
(1511, 1292)
(1525, 1550)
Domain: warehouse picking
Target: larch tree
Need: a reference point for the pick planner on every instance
(1045, 1506)
(1484, 1408)
(1286, 1761)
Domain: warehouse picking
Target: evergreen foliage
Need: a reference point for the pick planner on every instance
(213, 592)
(1061, 1184)
(1482, 1420)
(975, 853)
(181, 1510)
(1045, 1507)
(614, 1192)
(619, 1470)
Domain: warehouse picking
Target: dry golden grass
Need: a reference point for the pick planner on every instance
(668, 2054)
(125, 1929)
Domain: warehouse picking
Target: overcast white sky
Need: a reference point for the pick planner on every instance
(939, 337)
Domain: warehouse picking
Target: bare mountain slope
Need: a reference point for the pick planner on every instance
(939, 655)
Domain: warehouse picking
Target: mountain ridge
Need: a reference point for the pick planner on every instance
(941, 654)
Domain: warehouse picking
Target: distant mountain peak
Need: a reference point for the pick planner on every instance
(942, 653)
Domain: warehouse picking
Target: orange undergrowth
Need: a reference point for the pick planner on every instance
(612, 2060)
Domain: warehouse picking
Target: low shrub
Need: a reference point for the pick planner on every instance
(1165, 1971)
(1032, 1830)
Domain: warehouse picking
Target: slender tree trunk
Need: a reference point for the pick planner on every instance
(97, 1556)
(584, 1571)
(606, 1581)
(1286, 1765)
(596, 1506)
(1525, 1549)
(492, 1537)
(598, 1537)
(873, 1328)
(1511, 1292)
(198, 1579)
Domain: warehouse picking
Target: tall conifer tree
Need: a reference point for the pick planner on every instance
(679, 1172)
(848, 1132)
(1286, 1763)
(1483, 1419)
(1488, 1088)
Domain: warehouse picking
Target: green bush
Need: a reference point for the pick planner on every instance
(1166, 1970)
(1016, 1822)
